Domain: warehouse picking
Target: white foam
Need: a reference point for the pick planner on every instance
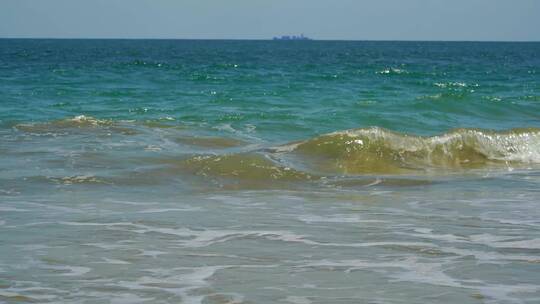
(335, 218)
(152, 253)
(523, 244)
(297, 300)
(412, 270)
(69, 270)
(114, 261)
(161, 210)
(128, 298)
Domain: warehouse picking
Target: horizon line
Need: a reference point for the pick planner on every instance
(262, 39)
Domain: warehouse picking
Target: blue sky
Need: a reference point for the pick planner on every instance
(262, 19)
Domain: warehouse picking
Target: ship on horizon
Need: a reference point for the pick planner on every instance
(293, 37)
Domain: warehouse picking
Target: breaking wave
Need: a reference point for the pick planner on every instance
(77, 124)
(342, 158)
(376, 150)
(335, 158)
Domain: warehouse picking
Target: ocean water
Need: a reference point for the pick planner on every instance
(156, 171)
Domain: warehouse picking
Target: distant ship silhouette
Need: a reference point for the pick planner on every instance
(294, 37)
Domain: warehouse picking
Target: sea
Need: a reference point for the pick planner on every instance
(230, 171)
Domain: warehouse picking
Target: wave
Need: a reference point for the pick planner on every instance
(210, 142)
(244, 170)
(376, 150)
(367, 157)
(349, 158)
(74, 122)
(80, 123)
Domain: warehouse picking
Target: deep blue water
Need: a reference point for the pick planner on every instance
(305, 88)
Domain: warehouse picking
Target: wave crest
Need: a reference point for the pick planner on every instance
(80, 123)
(376, 150)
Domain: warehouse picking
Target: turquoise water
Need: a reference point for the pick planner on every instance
(159, 171)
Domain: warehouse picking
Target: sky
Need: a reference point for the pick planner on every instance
(492, 20)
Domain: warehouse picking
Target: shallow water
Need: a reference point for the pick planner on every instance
(269, 172)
